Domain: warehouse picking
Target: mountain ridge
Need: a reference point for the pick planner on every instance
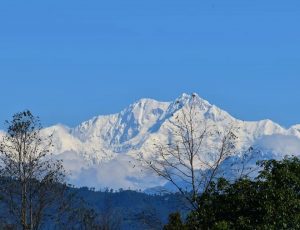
(106, 145)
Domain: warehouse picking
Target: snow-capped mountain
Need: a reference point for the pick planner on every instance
(100, 152)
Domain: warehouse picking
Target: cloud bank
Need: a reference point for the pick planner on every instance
(280, 144)
(121, 172)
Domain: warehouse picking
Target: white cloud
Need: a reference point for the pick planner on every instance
(121, 172)
(280, 144)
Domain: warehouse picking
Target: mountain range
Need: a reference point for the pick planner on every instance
(100, 152)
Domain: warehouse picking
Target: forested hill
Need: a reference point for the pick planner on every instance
(122, 209)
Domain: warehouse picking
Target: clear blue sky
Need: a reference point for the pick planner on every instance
(68, 60)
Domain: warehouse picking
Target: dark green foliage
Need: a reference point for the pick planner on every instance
(271, 201)
(81, 217)
(135, 209)
(85, 209)
(175, 222)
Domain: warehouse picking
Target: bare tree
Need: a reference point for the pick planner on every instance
(191, 159)
(33, 182)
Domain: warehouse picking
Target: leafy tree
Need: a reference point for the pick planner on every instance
(175, 222)
(271, 201)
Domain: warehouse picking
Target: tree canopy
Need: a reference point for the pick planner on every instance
(270, 201)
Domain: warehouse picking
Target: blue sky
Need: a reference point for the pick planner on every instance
(70, 60)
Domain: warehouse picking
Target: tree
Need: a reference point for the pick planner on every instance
(175, 222)
(191, 159)
(270, 201)
(83, 215)
(109, 217)
(149, 218)
(33, 182)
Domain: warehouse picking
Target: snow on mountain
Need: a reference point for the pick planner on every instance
(295, 130)
(100, 152)
(297, 127)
